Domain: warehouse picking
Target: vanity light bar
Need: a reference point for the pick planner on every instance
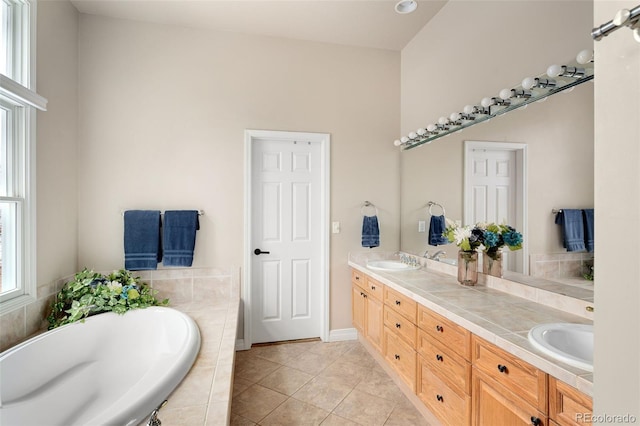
(557, 79)
(624, 18)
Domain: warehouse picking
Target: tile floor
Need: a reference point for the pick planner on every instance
(316, 383)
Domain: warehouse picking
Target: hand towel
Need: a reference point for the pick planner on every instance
(142, 248)
(572, 229)
(179, 237)
(370, 232)
(437, 225)
(588, 228)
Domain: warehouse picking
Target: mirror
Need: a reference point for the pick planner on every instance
(557, 171)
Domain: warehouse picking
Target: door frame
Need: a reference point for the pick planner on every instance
(251, 137)
(521, 187)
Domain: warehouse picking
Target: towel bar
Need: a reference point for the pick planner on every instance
(200, 213)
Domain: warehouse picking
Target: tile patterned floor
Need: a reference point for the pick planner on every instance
(316, 383)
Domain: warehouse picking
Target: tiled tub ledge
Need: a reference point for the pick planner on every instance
(497, 316)
(212, 298)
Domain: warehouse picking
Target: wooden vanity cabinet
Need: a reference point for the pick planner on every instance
(366, 308)
(567, 405)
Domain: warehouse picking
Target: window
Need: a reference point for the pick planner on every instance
(18, 105)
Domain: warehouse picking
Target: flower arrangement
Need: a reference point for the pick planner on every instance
(489, 237)
(91, 293)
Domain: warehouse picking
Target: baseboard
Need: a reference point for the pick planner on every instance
(343, 334)
(240, 345)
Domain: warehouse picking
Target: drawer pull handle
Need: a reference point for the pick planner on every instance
(397, 356)
(502, 368)
(535, 421)
(357, 278)
(373, 287)
(439, 357)
(439, 328)
(439, 398)
(398, 302)
(398, 325)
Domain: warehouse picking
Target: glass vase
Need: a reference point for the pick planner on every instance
(468, 267)
(492, 263)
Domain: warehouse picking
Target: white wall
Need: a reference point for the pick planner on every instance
(474, 49)
(162, 115)
(617, 194)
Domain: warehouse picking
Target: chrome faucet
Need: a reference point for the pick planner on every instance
(154, 420)
(437, 255)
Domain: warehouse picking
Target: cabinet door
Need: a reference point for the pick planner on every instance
(358, 308)
(495, 405)
(374, 322)
(451, 406)
(567, 405)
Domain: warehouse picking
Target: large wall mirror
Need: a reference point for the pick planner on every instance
(556, 135)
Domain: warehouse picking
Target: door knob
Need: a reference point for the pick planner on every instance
(259, 252)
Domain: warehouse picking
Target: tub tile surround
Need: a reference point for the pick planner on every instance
(498, 310)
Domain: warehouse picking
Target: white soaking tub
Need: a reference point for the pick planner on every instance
(110, 370)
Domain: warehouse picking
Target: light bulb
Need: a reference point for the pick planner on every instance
(584, 56)
(443, 120)
(431, 127)
(421, 131)
(506, 94)
(554, 70)
(528, 83)
(486, 102)
(404, 139)
(455, 116)
(468, 109)
(397, 142)
(413, 135)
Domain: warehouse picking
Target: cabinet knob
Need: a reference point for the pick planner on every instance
(502, 368)
(439, 398)
(373, 287)
(357, 278)
(439, 357)
(535, 421)
(397, 356)
(398, 325)
(439, 328)
(398, 302)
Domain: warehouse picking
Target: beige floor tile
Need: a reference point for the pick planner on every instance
(310, 362)
(365, 409)
(294, 412)
(359, 355)
(286, 380)
(281, 354)
(254, 369)
(348, 372)
(333, 349)
(237, 420)
(403, 416)
(334, 420)
(381, 385)
(240, 385)
(324, 392)
(256, 402)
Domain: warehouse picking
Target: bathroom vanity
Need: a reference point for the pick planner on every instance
(462, 352)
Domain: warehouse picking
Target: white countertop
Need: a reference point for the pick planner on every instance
(497, 316)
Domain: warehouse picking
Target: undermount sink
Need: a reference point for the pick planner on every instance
(390, 266)
(448, 261)
(566, 342)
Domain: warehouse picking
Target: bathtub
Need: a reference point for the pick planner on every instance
(110, 370)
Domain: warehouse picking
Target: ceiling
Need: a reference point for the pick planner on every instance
(365, 23)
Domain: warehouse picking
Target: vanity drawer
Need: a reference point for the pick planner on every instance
(374, 288)
(401, 357)
(402, 304)
(450, 406)
(400, 326)
(567, 405)
(447, 332)
(446, 364)
(358, 278)
(516, 375)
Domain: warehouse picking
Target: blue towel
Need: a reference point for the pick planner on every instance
(179, 237)
(437, 225)
(588, 228)
(572, 229)
(370, 232)
(142, 249)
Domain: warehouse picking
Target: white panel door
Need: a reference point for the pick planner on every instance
(286, 240)
(492, 182)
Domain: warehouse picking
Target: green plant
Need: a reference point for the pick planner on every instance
(92, 293)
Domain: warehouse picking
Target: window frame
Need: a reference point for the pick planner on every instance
(20, 93)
